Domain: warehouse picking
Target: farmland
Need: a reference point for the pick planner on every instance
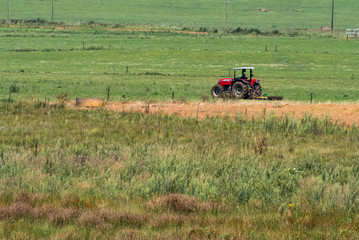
(162, 159)
(152, 65)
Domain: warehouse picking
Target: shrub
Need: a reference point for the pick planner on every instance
(13, 89)
(63, 97)
(205, 98)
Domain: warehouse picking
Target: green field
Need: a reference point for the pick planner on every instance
(302, 14)
(152, 65)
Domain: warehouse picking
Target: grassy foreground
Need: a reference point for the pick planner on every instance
(97, 174)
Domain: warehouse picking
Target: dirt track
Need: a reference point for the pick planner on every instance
(347, 113)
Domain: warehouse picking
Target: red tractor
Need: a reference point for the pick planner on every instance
(240, 86)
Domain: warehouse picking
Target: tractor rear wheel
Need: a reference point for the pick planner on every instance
(217, 91)
(239, 90)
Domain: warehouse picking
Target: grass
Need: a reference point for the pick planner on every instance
(68, 172)
(191, 14)
(138, 66)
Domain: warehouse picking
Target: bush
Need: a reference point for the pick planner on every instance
(63, 97)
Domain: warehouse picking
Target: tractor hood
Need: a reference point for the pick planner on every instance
(225, 81)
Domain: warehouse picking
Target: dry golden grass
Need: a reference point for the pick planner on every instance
(184, 204)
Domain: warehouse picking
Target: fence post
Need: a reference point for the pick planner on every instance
(108, 93)
(311, 98)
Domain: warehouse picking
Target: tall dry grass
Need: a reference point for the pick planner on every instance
(159, 176)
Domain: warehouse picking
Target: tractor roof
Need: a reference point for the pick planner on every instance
(239, 68)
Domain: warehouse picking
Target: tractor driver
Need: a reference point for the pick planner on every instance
(243, 74)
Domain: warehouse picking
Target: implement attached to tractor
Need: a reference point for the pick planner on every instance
(241, 86)
(270, 98)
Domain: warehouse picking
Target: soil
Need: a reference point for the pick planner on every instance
(347, 113)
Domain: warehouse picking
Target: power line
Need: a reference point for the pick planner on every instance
(332, 25)
(227, 13)
(52, 15)
(8, 11)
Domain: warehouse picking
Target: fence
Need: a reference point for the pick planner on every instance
(352, 33)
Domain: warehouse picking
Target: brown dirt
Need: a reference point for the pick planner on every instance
(347, 113)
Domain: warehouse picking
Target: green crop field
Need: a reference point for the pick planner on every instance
(152, 65)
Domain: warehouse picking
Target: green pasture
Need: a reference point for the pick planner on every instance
(281, 14)
(152, 65)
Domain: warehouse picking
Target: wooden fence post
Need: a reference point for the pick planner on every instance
(311, 98)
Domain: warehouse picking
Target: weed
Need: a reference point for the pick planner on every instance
(63, 97)
(261, 146)
(13, 89)
(205, 98)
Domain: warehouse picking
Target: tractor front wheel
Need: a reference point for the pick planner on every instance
(239, 90)
(217, 91)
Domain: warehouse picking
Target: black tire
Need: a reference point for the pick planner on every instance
(257, 92)
(217, 91)
(239, 90)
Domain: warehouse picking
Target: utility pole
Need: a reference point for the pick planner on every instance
(8, 11)
(227, 14)
(52, 16)
(332, 26)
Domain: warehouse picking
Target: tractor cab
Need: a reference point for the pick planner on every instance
(244, 77)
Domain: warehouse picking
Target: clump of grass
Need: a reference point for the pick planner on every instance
(98, 218)
(183, 204)
(60, 216)
(261, 146)
(63, 97)
(175, 202)
(13, 89)
(205, 98)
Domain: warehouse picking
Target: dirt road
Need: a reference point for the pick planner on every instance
(347, 113)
